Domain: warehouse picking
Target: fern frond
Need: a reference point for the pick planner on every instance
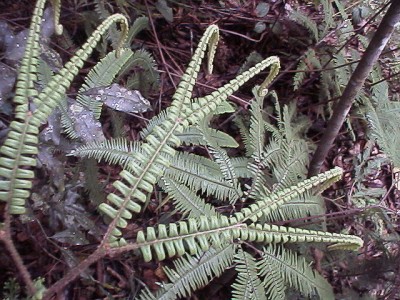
(196, 235)
(240, 164)
(102, 74)
(27, 74)
(194, 136)
(156, 149)
(223, 160)
(257, 128)
(67, 123)
(383, 129)
(328, 14)
(186, 201)
(146, 78)
(289, 163)
(304, 20)
(309, 62)
(342, 74)
(200, 174)
(118, 151)
(303, 206)
(138, 25)
(191, 273)
(204, 105)
(273, 279)
(228, 171)
(247, 284)
(269, 202)
(256, 143)
(244, 134)
(295, 271)
(21, 142)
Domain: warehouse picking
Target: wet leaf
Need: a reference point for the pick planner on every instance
(260, 27)
(53, 165)
(53, 130)
(84, 124)
(262, 9)
(70, 236)
(47, 26)
(120, 98)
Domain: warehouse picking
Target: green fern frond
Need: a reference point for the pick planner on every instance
(27, 74)
(224, 162)
(145, 76)
(342, 74)
(138, 25)
(117, 151)
(257, 128)
(191, 273)
(289, 163)
(102, 74)
(228, 171)
(300, 75)
(384, 130)
(256, 143)
(156, 149)
(194, 136)
(67, 123)
(304, 20)
(273, 279)
(186, 201)
(247, 284)
(303, 206)
(244, 134)
(240, 165)
(22, 138)
(196, 235)
(328, 14)
(180, 114)
(269, 202)
(295, 271)
(200, 174)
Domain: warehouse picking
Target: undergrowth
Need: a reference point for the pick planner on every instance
(229, 201)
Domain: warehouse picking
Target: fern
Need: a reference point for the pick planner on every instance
(302, 19)
(21, 142)
(117, 151)
(186, 200)
(102, 75)
(209, 233)
(294, 272)
(247, 284)
(380, 114)
(192, 273)
(145, 77)
(201, 174)
(138, 25)
(156, 147)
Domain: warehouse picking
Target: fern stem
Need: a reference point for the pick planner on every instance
(73, 273)
(5, 236)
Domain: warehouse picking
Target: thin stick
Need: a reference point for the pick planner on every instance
(6, 238)
(370, 57)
